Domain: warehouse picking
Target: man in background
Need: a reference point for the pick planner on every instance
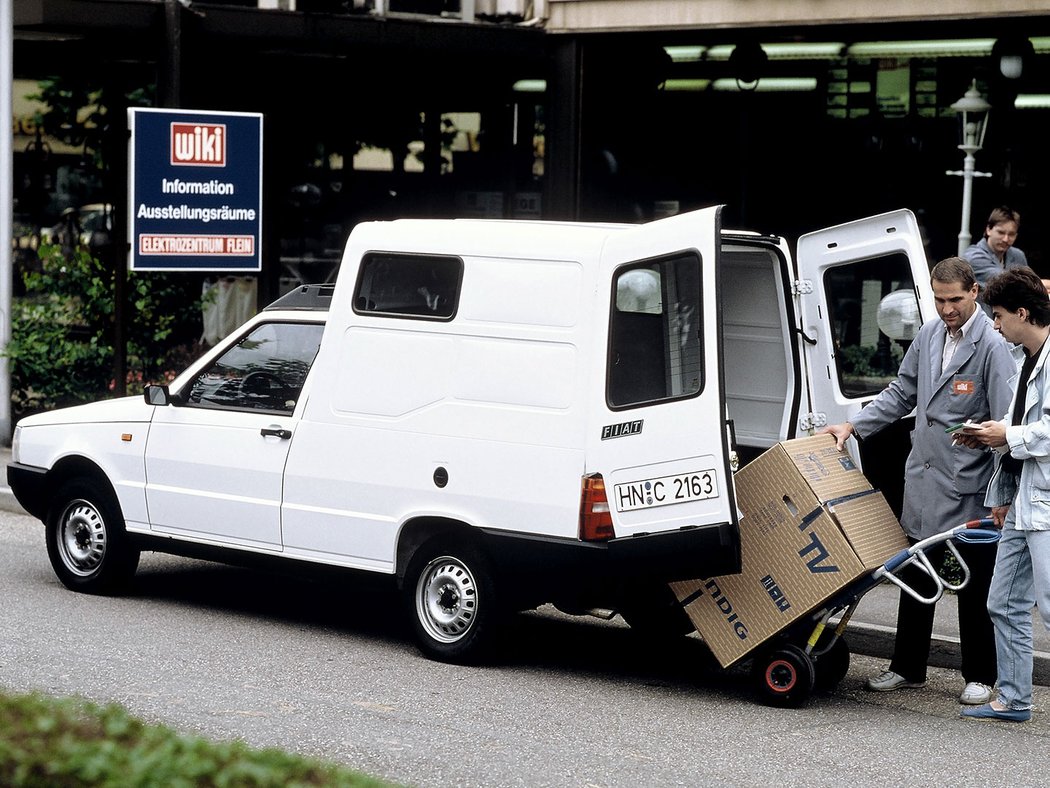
(996, 252)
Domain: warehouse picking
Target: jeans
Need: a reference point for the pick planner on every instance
(1020, 581)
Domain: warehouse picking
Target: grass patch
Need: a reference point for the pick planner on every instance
(67, 742)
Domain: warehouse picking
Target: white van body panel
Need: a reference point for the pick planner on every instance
(883, 236)
(681, 442)
(111, 432)
(494, 398)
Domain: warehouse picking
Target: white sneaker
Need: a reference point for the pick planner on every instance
(975, 694)
(889, 681)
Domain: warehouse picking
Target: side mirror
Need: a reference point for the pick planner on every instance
(157, 395)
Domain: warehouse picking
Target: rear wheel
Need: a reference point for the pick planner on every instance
(86, 542)
(784, 676)
(833, 666)
(452, 602)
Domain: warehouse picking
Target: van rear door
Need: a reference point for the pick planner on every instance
(657, 430)
(864, 293)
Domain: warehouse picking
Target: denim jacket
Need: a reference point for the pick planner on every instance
(1029, 441)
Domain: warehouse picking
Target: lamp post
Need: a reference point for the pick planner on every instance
(972, 111)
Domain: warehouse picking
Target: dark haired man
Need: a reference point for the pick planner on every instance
(955, 370)
(1019, 491)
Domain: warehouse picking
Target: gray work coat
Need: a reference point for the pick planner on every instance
(944, 485)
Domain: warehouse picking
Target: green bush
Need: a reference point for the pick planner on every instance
(50, 742)
(63, 330)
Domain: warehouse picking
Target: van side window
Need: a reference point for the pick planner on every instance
(264, 371)
(654, 332)
(874, 315)
(425, 286)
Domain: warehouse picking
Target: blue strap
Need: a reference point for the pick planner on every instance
(897, 560)
(978, 536)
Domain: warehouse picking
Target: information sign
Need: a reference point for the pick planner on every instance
(195, 190)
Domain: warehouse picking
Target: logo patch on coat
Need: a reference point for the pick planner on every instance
(963, 386)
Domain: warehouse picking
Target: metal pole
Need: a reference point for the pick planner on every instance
(973, 114)
(967, 199)
(6, 211)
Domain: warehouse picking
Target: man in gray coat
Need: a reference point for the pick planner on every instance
(996, 251)
(956, 369)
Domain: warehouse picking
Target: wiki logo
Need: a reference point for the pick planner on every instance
(198, 144)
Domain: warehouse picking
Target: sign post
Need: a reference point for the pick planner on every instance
(195, 190)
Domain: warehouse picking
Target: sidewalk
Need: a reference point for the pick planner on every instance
(870, 631)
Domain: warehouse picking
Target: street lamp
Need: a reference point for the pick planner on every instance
(972, 111)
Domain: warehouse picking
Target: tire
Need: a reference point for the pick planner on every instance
(833, 666)
(452, 603)
(653, 612)
(89, 549)
(784, 676)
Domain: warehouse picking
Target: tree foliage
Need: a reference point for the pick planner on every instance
(63, 331)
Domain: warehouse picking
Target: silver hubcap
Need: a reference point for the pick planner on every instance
(446, 599)
(82, 538)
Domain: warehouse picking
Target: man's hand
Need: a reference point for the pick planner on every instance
(840, 431)
(999, 515)
(987, 433)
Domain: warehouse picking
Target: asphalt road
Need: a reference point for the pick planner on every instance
(326, 669)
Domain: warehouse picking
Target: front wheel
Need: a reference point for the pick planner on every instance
(86, 542)
(452, 602)
(784, 676)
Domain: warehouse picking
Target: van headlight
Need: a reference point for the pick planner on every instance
(16, 440)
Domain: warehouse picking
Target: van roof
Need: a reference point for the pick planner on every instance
(484, 237)
(311, 298)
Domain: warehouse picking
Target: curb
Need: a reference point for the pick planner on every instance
(876, 640)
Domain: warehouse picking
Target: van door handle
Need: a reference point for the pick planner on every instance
(277, 432)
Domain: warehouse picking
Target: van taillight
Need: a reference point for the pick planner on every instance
(595, 519)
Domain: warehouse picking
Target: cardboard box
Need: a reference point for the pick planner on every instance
(811, 525)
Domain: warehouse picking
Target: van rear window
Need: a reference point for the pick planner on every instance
(414, 285)
(654, 337)
(874, 315)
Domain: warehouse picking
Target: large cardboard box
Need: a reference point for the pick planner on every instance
(811, 525)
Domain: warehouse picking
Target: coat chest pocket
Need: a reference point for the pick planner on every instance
(966, 396)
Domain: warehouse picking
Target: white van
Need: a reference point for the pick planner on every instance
(499, 413)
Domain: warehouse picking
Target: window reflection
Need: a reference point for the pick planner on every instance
(874, 315)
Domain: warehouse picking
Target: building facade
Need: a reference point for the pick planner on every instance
(794, 114)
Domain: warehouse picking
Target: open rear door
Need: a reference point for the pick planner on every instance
(864, 291)
(657, 426)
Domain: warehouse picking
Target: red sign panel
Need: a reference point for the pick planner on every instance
(198, 144)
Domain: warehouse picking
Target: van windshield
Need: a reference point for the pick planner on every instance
(654, 337)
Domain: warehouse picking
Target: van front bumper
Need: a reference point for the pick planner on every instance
(29, 485)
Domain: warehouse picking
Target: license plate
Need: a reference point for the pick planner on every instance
(665, 490)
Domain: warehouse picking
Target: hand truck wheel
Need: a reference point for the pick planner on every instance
(833, 666)
(784, 676)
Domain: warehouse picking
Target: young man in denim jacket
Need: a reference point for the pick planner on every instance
(1019, 491)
